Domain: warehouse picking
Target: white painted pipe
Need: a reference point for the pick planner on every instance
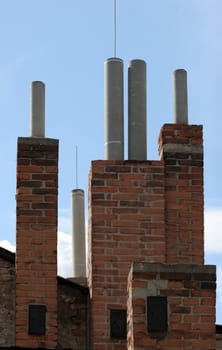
(113, 109)
(78, 233)
(137, 124)
(180, 96)
(37, 109)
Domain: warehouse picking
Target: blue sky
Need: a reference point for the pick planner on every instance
(64, 44)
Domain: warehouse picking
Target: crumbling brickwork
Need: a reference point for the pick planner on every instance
(73, 309)
(7, 298)
(73, 315)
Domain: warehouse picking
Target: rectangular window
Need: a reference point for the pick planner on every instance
(157, 314)
(37, 316)
(118, 324)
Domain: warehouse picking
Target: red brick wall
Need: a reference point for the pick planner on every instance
(127, 223)
(180, 147)
(36, 235)
(7, 297)
(143, 211)
(190, 292)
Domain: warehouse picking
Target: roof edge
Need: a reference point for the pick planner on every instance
(7, 255)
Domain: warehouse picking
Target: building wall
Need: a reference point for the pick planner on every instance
(36, 240)
(73, 315)
(149, 211)
(73, 309)
(7, 298)
(139, 211)
(181, 149)
(190, 294)
(127, 223)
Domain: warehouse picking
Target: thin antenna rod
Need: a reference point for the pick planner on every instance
(76, 166)
(114, 28)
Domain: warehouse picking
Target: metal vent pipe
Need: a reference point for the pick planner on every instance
(37, 109)
(113, 109)
(78, 233)
(137, 124)
(180, 96)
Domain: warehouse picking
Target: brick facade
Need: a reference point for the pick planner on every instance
(181, 149)
(149, 211)
(73, 309)
(36, 238)
(127, 214)
(190, 293)
(145, 240)
(7, 297)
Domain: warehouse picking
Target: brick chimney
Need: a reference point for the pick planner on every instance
(36, 240)
(146, 217)
(127, 223)
(181, 149)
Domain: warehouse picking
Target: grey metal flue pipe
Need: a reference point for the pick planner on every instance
(113, 109)
(37, 109)
(78, 233)
(180, 96)
(137, 124)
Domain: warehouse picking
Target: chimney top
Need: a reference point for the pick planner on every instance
(37, 109)
(180, 96)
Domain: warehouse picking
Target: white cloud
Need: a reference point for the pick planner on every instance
(64, 254)
(7, 245)
(213, 230)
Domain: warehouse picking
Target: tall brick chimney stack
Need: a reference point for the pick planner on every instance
(36, 233)
(181, 149)
(146, 217)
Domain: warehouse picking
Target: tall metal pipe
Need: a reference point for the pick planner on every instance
(137, 124)
(37, 109)
(180, 96)
(78, 233)
(113, 109)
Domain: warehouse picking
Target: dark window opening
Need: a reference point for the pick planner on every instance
(37, 316)
(118, 324)
(157, 314)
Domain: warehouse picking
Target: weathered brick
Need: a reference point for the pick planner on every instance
(33, 208)
(189, 317)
